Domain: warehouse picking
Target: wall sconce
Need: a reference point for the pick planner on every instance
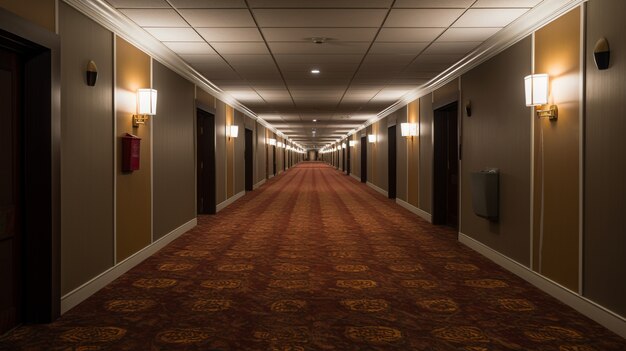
(232, 131)
(371, 138)
(536, 86)
(146, 106)
(272, 142)
(408, 130)
(352, 143)
(92, 73)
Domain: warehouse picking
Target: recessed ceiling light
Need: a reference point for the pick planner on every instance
(315, 71)
(314, 120)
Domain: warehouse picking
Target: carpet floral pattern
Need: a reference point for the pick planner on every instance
(315, 260)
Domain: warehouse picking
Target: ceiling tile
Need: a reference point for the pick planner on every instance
(218, 17)
(155, 17)
(445, 59)
(190, 48)
(208, 4)
(137, 4)
(230, 34)
(397, 48)
(320, 4)
(174, 34)
(408, 34)
(243, 60)
(489, 17)
(452, 47)
(207, 58)
(468, 34)
(507, 3)
(384, 60)
(331, 34)
(240, 48)
(319, 17)
(433, 3)
(285, 48)
(422, 17)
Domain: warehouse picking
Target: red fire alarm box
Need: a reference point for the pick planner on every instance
(130, 152)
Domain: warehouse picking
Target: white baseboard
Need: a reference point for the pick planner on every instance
(259, 184)
(271, 176)
(380, 190)
(425, 215)
(226, 203)
(355, 177)
(603, 316)
(80, 294)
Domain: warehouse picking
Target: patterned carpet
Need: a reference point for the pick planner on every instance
(315, 260)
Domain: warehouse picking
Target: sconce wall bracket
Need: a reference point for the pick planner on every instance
(139, 120)
(548, 111)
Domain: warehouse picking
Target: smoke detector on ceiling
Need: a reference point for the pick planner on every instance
(318, 40)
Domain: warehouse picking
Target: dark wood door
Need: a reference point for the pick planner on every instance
(364, 159)
(274, 159)
(343, 159)
(10, 192)
(249, 160)
(348, 159)
(391, 162)
(446, 166)
(206, 163)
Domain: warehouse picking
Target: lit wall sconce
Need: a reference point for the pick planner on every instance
(343, 145)
(352, 143)
(536, 86)
(371, 138)
(232, 131)
(272, 142)
(408, 129)
(146, 106)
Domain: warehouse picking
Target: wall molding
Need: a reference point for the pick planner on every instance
(425, 215)
(380, 190)
(601, 315)
(229, 201)
(80, 294)
(257, 185)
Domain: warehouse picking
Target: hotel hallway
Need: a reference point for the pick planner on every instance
(315, 260)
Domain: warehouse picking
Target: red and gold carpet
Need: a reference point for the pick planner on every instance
(314, 260)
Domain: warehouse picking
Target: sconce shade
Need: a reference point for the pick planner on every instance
(273, 142)
(371, 138)
(352, 143)
(536, 86)
(146, 101)
(233, 131)
(408, 129)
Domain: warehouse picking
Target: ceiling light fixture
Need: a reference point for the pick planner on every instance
(314, 120)
(315, 71)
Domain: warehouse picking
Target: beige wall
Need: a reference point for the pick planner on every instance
(173, 155)
(412, 147)
(498, 135)
(86, 150)
(134, 189)
(425, 175)
(261, 152)
(40, 12)
(220, 152)
(239, 163)
(604, 252)
(556, 153)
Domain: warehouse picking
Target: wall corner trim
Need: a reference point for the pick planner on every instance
(80, 294)
(425, 215)
(601, 315)
(380, 190)
(229, 201)
(257, 185)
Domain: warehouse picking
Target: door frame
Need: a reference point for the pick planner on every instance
(41, 297)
